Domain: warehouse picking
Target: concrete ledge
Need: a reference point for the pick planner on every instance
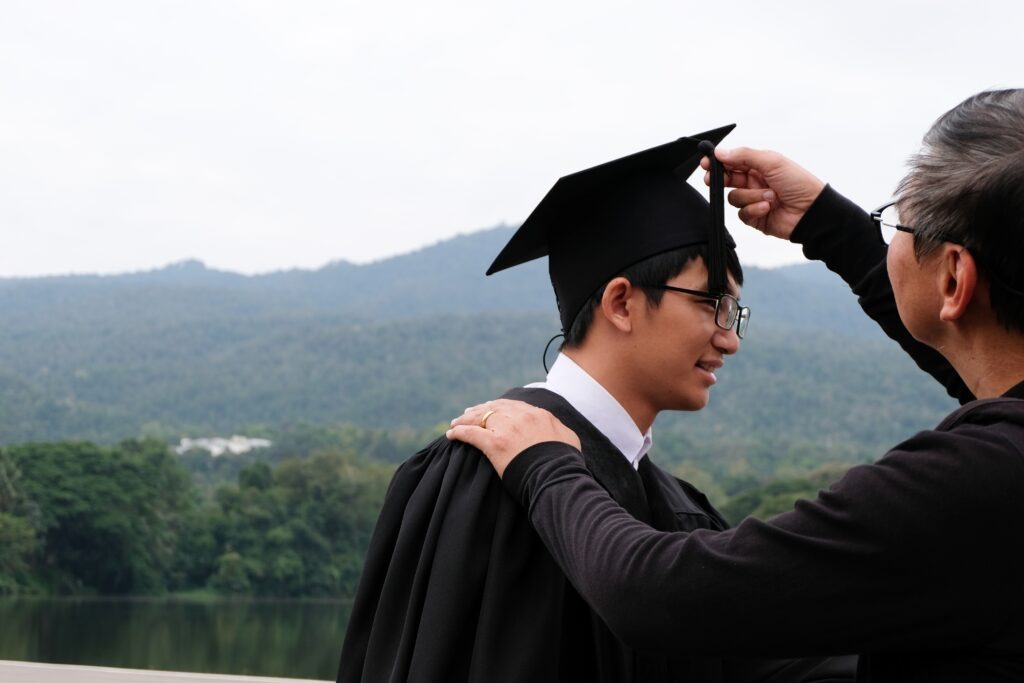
(33, 672)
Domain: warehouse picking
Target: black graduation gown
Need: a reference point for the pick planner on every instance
(458, 587)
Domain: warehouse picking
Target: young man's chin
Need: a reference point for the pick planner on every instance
(692, 402)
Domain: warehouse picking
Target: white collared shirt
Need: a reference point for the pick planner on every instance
(592, 401)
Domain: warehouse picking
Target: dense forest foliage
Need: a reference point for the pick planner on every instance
(78, 518)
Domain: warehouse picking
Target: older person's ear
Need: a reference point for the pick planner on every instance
(617, 305)
(957, 280)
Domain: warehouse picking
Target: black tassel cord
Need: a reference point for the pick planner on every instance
(717, 277)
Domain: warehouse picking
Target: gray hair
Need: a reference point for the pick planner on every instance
(966, 185)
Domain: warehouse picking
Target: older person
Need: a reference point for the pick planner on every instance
(915, 561)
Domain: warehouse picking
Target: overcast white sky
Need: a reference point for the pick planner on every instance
(261, 135)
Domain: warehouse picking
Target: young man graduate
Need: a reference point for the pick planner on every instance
(456, 585)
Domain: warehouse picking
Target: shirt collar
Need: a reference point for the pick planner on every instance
(592, 401)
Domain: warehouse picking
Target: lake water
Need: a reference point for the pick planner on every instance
(298, 639)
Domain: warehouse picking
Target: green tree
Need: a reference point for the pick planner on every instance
(17, 545)
(302, 530)
(779, 494)
(109, 517)
(232, 574)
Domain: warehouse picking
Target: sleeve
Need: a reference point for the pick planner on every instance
(891, 556)
(434, 601)
(838, 232)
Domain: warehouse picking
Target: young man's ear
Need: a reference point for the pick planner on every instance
(957, 279)
(617, 305)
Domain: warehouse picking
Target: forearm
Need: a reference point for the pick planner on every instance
(651, 587)
(840, 234)
(843, 573)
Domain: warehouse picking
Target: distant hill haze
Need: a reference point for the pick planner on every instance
(407, 342)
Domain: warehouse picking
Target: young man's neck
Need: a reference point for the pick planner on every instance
(610, 375)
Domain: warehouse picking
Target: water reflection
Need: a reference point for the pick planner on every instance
(299, 639)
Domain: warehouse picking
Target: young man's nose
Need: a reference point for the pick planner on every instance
(726, 341)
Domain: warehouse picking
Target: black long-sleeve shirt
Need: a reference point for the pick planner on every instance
(915, 561)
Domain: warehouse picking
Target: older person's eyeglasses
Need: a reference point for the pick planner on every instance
(887, 219)
(728, 312)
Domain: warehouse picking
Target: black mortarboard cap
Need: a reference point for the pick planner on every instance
(594, 224)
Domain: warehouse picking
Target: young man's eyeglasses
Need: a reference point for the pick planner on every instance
(728, 312)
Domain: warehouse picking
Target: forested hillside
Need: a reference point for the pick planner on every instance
(402, 344)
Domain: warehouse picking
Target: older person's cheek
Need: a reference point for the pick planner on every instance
(892, 268)
(908, 285)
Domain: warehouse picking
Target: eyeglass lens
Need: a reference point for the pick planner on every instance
(741, 329)
(727, 307)
(887, 225)
(728, 310)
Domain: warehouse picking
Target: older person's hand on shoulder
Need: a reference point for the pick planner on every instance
(502, 429)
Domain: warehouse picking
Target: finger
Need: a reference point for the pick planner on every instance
(753, 213)
(475, 436)
(755, 179)
(749, 180)
(737, 179)
(478, 410)
(746, 180)
(504, 406)
(746, 159)
(477, 407)
(741, 198)
(484, 441)
(472, 416)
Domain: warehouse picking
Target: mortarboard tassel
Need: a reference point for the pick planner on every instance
(717, 277)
